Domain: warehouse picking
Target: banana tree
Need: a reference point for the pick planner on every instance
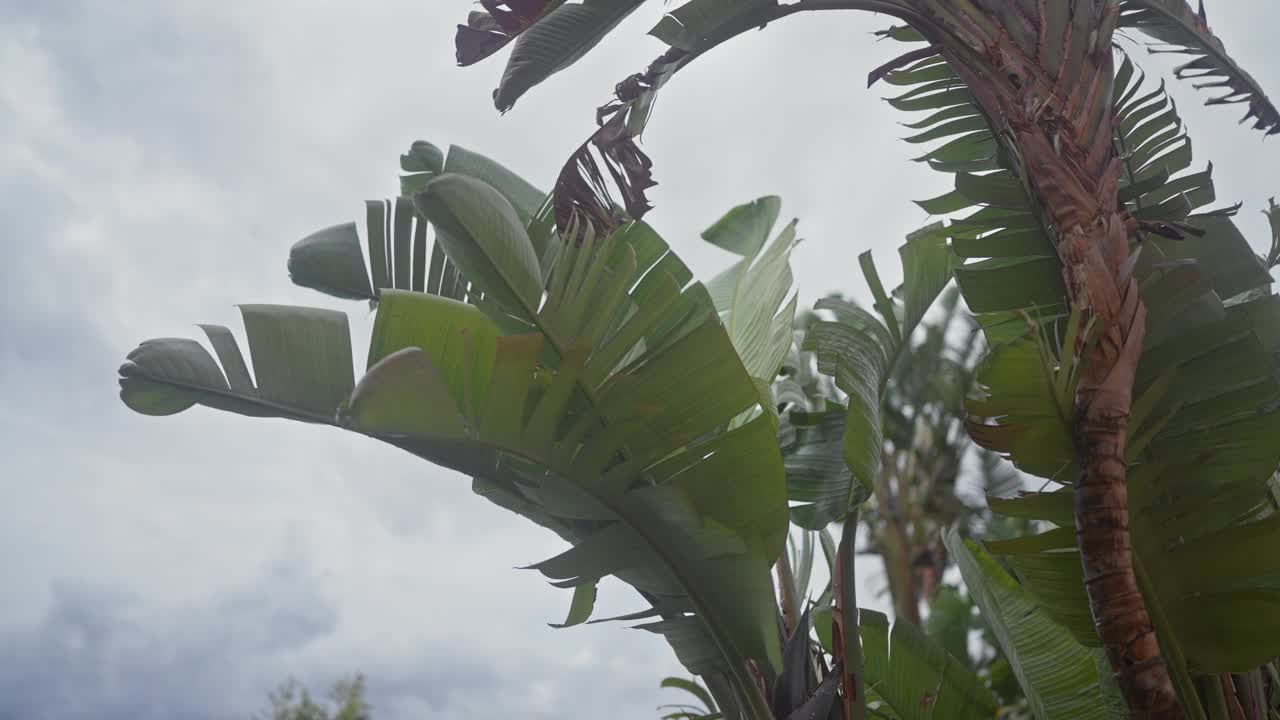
(916, 493)
(1027, 92)
(1195, 271)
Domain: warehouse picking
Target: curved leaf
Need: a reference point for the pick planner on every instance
(916, 677)
(749, 295)
(167, 376)
(488, 32)
(484, 237)
(1186, 31)
(1058, 676)
(860, 351)
(693, 688)
(818, 478)
(557, 41)
(855, 349)
(400, 253)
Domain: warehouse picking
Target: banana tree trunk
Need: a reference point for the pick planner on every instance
(895, 544)
(1096, 258)
(1056, 117)
(1098, 269)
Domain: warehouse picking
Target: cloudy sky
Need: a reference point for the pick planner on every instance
(157, 159)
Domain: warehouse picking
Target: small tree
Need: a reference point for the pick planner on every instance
(292, 701)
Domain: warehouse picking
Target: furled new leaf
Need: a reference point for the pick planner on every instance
(402, 253)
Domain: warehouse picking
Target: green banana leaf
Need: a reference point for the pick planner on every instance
(618, 443)
(916, 677)
(1185, 31)
(488, 31)
(557, 40)
(750, 294)
(1059, 677)
(860, 350)
(332, 262)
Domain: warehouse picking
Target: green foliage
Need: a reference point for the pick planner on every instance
(861, 351)
(749, 295)
(916, 677)
(1182, 30)
(346, 701)
(707, 711)
(1059, 676)
(611, 428)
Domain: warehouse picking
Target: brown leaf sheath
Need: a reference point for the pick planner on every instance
(1093, 245)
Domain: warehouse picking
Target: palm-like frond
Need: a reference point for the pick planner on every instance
(1186, 31)
(751, 295)
(915, 676)
(1059, 677)
(608, 427)
(860, 351)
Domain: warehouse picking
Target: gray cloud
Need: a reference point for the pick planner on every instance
(99, 652)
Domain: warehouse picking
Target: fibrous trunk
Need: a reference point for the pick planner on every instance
(1055, 117)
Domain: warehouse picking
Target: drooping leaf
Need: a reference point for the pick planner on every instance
(860, 351)
(1058, 676)
(556, 41)
(856, 350)
(1015, 410)
(1183, 30)
(916, 677)
(818, 479)
(167, 376)
(503, 20)
(584, 600)
(584, 197)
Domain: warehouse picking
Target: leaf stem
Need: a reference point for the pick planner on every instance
(789, 594)
(850, 644)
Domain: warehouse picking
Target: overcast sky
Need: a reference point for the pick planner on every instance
(157, 159)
